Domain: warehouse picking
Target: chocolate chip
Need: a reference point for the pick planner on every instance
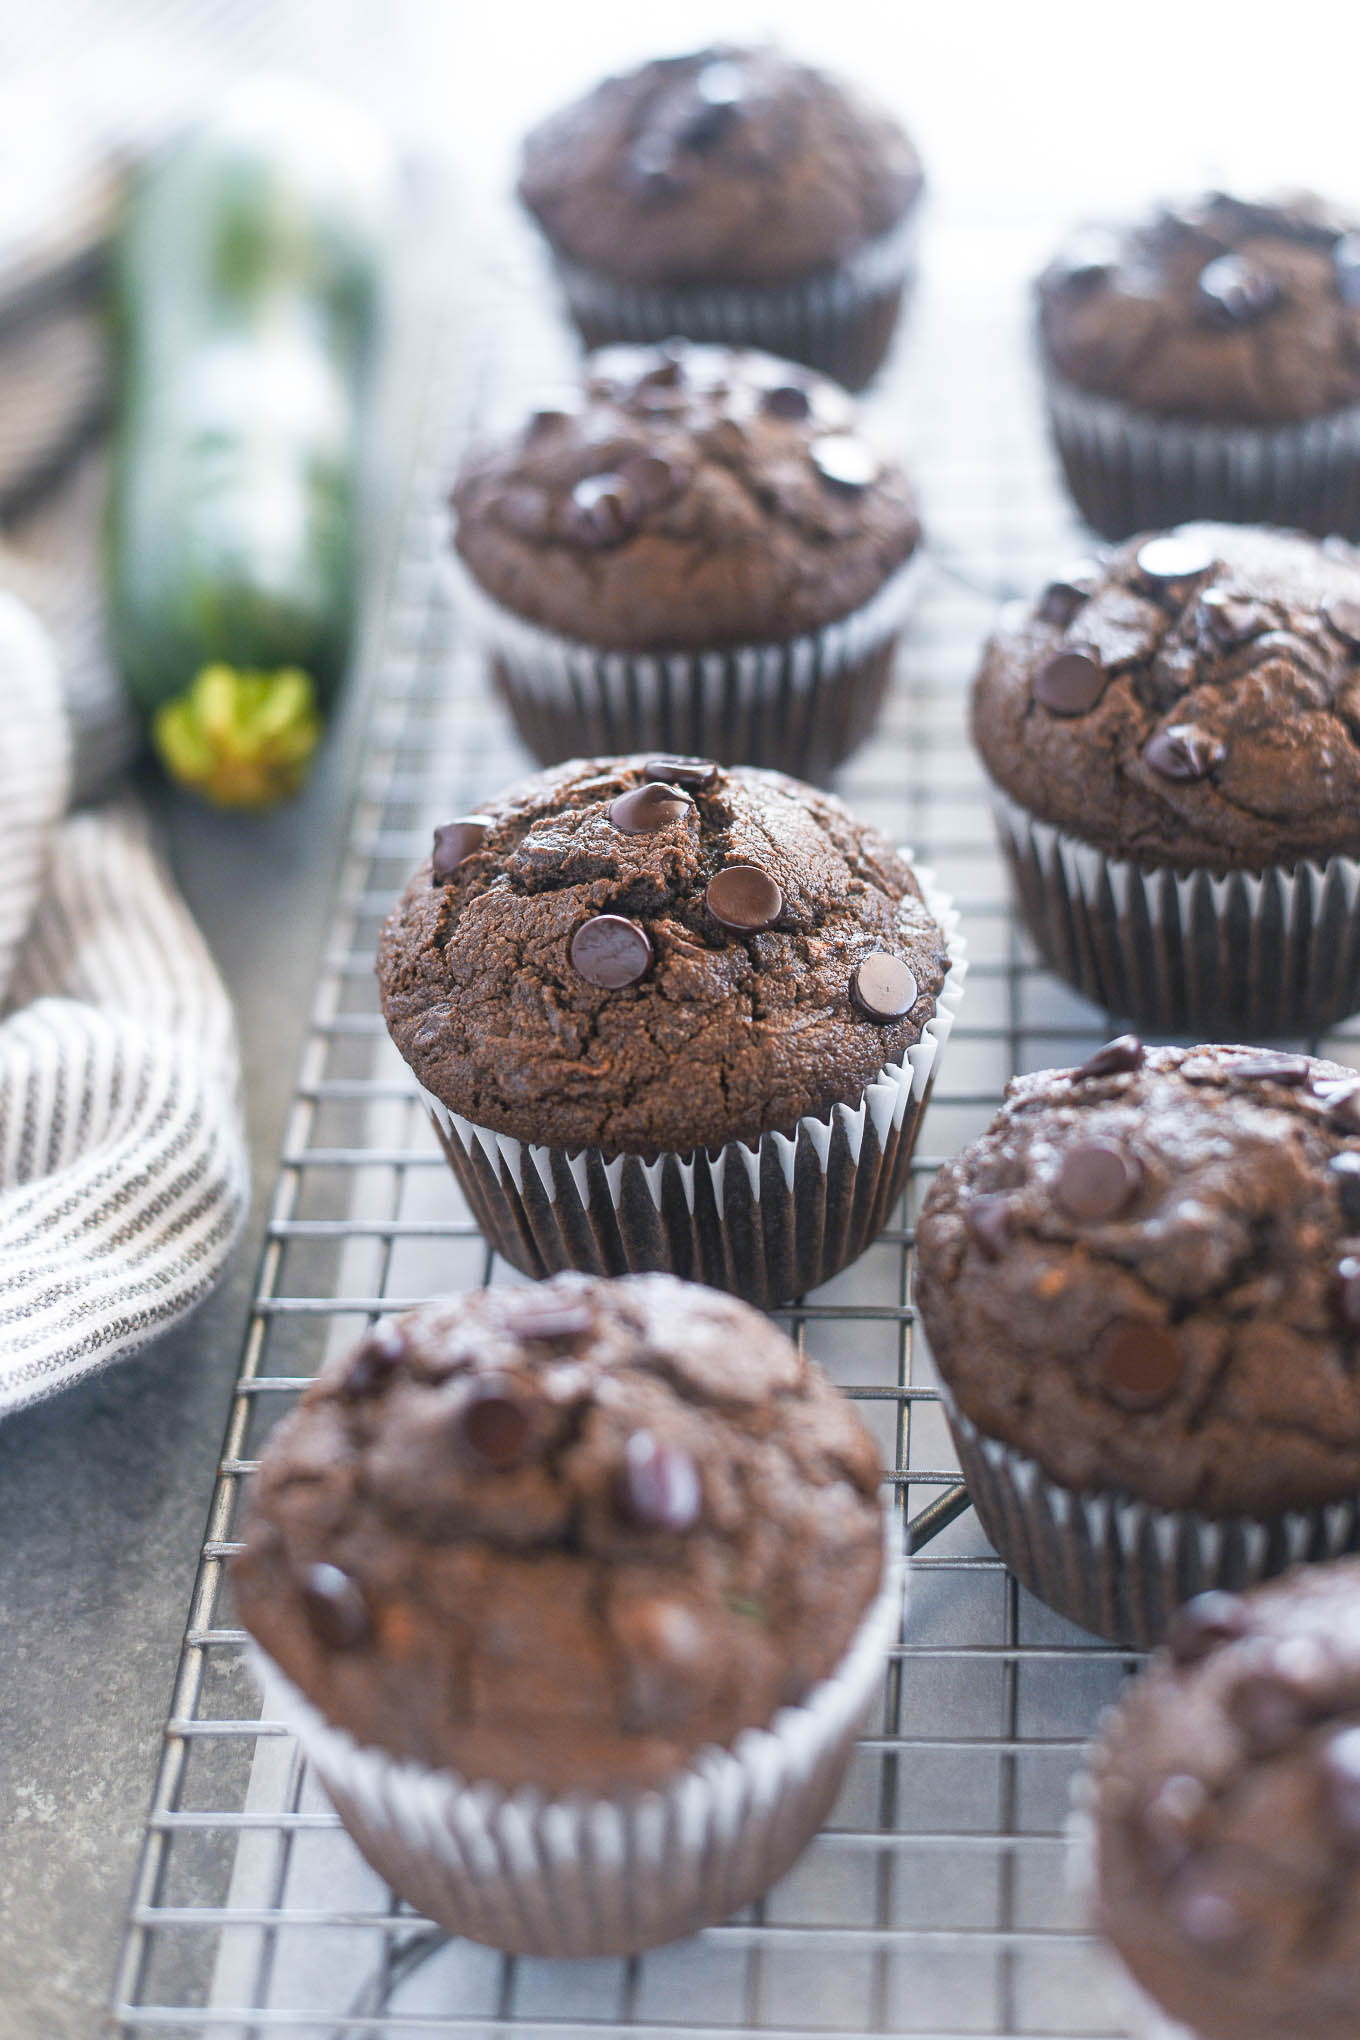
(335, 1608)
(524, 509)
(652, 169)
(1140, 1363)
(655, 478)
(611, 952)
(1233, 291)
(654, 805)
(1170, 1818)
(604, 510)
(454, 843)
(547, 419)
(988, 1218)
(668, 374)
(1343, 1108)
(1182, 752)
(659, 1484)
(1341, 1782)
(1277, 1069)
(1346, 268)
(1348, 1291)
(494, 1425)
(1068, 592)
(1226, 620)
(719, 89)
(786, 400)
(379, 1355)
(1209, 1916)
(1205, 1624)
(743, 897)
(844, 461)
(1125, 1052)
(547, 1317)
(1071, 683)
(1344, 1170)
(678, 771)
(1087, 257)
(1343, 612)
(882, 987)
(1097, 1180)
(1175, 556)
(1270, 1710)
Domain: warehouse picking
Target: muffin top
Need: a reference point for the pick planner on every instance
(650, 954)
(1220, 309)
(688, 497)
(1191, 699)
(1226, 1802)
(563, 1536)
(728, 166)
(1145, 1275)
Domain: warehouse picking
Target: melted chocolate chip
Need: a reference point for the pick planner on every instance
(1233, 291)
(1125, 1052)
(1343, 613)
(1340, 1765)
(1277, 1069)
(1205, 1624)
(882, 987)
(1068, 592)
(988, 1219)
(1140, 1363)
(1225, 620)
(547, 419)
(656, 479)
(495, 1426)
(1183, 752)
(1087, 257)
(744, 898)
(1097, 1180)
(844, 461)
(1270, 1710)
(1071, 683)
(611, 952)
(652, 168)
(603, 510)
(336, 1610)
(786, 400)
(669, 373)
(548, 1317)
(677, 771)
(1176, 556)
(1346, 269)
(720, 89)
(1343, 1108)
(659, 1484)
(382, 1351)
(1209, 1916)
(1344, 1170)
(1348, 1291)
(454, 843)
(1170, 1818)
(652, 806)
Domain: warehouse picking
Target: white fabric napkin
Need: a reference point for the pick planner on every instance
(123, 1175)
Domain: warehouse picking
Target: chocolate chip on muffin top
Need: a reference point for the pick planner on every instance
(693, 497)
(1221, 308)
(607, 958)
(563, 1536)
(1192, 700)
(727, 165)
(1226, 1803)
(1141, 1276)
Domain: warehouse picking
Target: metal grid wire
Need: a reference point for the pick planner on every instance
(934, 1902)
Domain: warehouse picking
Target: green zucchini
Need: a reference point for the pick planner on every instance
(247, 284)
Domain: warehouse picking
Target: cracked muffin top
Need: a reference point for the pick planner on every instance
(729, 165)
(657, 954)
(1145, 1275)
(1225, 1800)
(563, 1536)
(1221, 309)
(687, 497)
(1192, 699)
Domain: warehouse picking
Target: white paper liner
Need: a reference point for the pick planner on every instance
(583, 1875)
(1249, 955)
(840, 319)
(799, 707)
(1118, 1566)
(766, 1219)
(1131, 471)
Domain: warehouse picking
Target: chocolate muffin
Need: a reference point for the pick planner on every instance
(701, 553)
(1206, 363)
(1222, 1814)
(1141, 1286)
(582, 1541)
(672, 1016)
(732, 195)
(1173, 735)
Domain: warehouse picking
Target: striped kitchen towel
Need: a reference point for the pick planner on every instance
(123, 1176)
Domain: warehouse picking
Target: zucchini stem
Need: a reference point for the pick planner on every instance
(241, 739)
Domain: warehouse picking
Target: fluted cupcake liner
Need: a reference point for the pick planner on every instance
(840, 320)
(1143, 2018)
(800, 707)
(1130, 471)
(765, 1219)
(1245, 956)
(1120, 1567)
(602, 1875)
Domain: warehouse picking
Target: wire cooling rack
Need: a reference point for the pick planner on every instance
(934, 1902)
